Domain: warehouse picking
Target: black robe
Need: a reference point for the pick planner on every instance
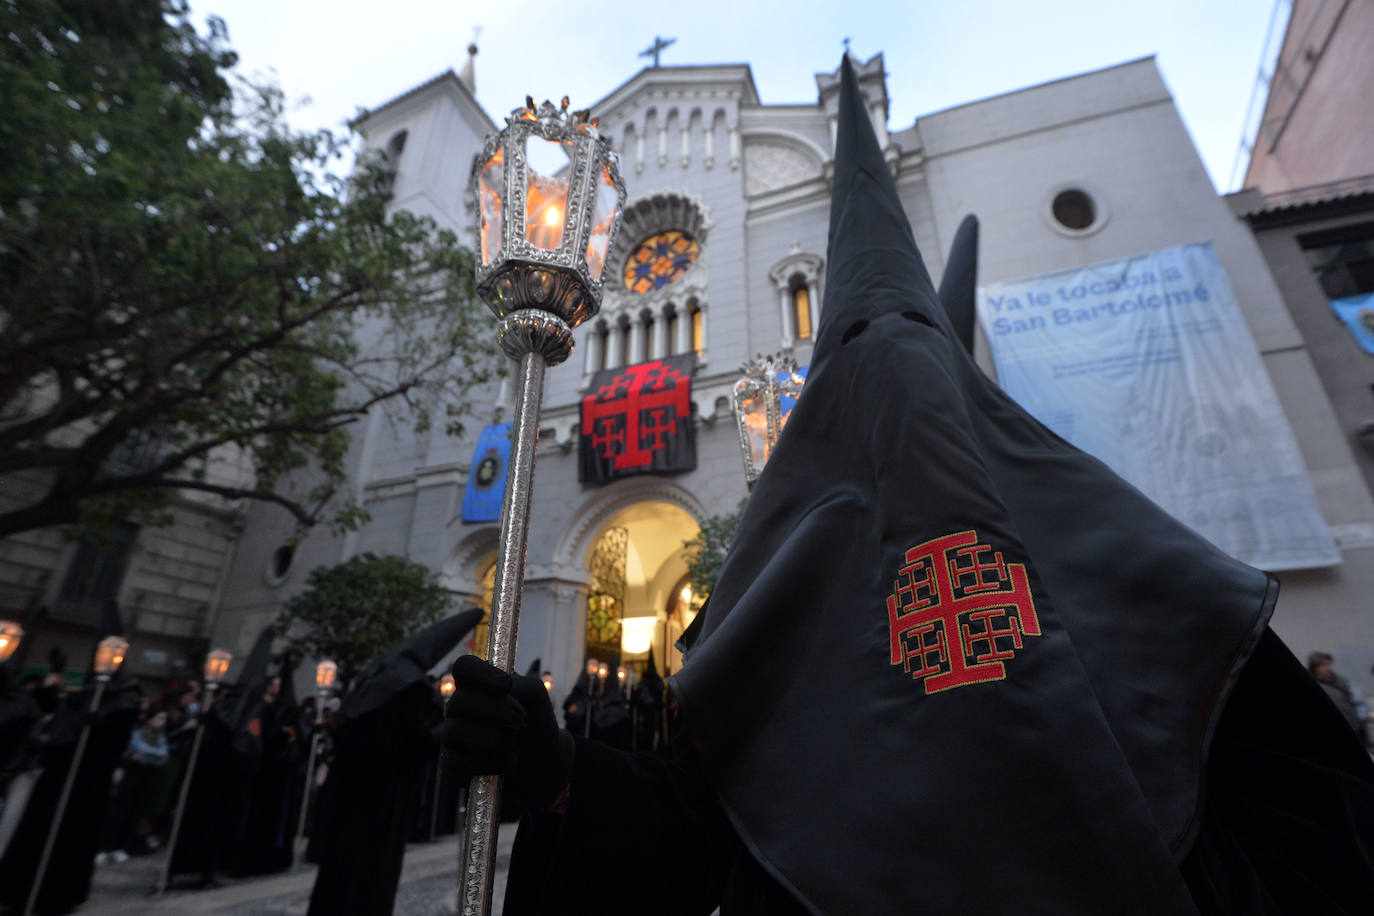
(955, 665)
(67, 881)
(368, 805)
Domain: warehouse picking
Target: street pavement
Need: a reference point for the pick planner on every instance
(429, 886)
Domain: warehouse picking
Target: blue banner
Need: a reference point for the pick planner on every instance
(1358, 314)
(487, 476)
(1147, 364)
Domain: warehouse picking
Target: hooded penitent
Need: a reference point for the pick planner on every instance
(952, 663)
(367, 806)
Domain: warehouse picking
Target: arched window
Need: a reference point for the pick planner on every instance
(394, 148)
(602, 351)
(801, 308)
(622, 358)
(698, 327)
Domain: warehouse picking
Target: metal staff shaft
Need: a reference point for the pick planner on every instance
(62, 799)
(309, 781)
(478, 849)
(166, 875)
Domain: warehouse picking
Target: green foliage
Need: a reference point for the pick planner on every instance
(186, 282)
(359, 609)
(706, 552)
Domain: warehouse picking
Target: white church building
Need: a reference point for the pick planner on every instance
(1086, 169)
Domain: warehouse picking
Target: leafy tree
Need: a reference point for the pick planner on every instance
(358, 609)
(706, 552)
(185, 284)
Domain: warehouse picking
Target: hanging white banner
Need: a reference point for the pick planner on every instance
(1147, 364)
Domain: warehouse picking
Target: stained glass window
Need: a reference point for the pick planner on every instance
(659, 260)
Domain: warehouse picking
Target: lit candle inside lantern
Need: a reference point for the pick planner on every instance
(446, 686)
(10, 635)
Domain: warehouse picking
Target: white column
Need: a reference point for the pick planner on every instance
(636, 341)
(710, 138)
(813, 304)
(684, 332)
(789, 332)
(613, 345)
(663, 142)
(705, 330)
(686, 143)
(639, 153)
(658, 344)
(834, 132)
(734, 146)
(592, 360)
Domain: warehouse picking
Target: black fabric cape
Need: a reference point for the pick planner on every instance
(368, 802)
(67, 881)
(876, 757)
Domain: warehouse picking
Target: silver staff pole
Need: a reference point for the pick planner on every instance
(547, 224)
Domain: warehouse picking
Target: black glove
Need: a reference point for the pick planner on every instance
(503, 724)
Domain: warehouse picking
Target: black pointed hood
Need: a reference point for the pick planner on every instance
(959, 283)
(873, 266)
(383, 678)
(957, 637)
(534, 668)
(253, 677)
(110, 624)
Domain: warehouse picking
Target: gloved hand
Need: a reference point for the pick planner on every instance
(503, 724)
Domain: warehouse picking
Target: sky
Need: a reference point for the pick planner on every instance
(360, 53)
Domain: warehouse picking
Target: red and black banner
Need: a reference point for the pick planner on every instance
(638, 420)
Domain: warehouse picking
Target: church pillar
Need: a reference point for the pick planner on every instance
(785, 305)
(658, 344)
(710, 138)
(636, 341)
(813, 303)
(734, 146)
(663, 143)
(593, 358)
(683, 344)
(639, 153)
(613, 345)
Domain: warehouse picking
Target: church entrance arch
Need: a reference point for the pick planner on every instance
(628, 542)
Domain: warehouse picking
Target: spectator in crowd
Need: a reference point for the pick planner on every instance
(1337, 688)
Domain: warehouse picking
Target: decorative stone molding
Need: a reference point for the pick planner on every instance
(597, 510)
(774, 161)
(462, 570)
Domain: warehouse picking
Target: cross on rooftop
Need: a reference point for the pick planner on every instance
(657, 47)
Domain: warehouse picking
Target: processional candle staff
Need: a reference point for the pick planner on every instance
(109, 655)
(592, 667)
(216, 667)
(446, 687)
(325, 674)
(544, 233)
(760, 411)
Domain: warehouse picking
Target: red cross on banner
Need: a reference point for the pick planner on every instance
(958, 612)
(638, 419)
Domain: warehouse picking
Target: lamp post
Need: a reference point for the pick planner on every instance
(109, 655)
(543, 237)
(325, 673)
(760, 412)
(216, 667)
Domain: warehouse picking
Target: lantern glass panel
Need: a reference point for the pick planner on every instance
(10, 635)
(546, 196)
(752, 403)
(109, 655)
(603, 217)
(217, 665)
(491, 186)
(325, 673)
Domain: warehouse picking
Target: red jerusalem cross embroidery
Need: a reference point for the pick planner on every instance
(636, 414)
(958, 611)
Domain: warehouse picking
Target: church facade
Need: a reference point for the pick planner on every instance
(722, 257)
